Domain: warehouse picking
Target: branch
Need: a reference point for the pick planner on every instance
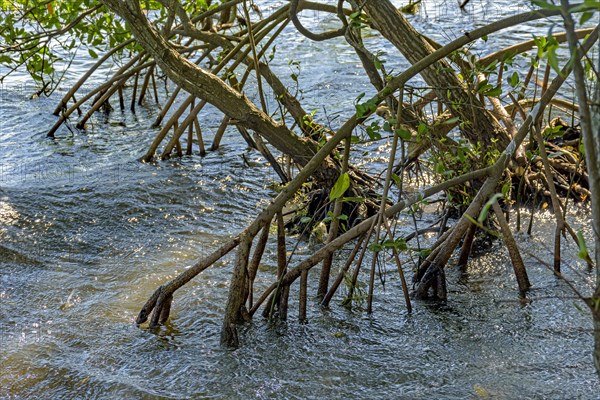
(318, 37)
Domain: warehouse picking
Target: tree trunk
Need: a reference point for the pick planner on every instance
(595, 189)
(592, 150)
(589, 114)
(513, 250)
(238, 292)
(596, 317)
(209, 87)
(479, 125)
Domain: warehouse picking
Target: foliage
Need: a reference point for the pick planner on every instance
(455, 122)
(43, 36)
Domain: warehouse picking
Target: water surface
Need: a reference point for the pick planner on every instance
(87, 233)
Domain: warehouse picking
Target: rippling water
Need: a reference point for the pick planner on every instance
(87, 233)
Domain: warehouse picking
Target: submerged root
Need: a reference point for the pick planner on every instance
(552, 170)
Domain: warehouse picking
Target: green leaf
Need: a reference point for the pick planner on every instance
(486, 208)
(423, 252)
(375, 247)
(396, 179)
(93, 54)
(582, 148)
(403, 133)
(494, 92)
(450, 121)
(340, 187)
(545, 5)
(583, 251)
(506, 187)
(360, 110)
(585, 17)
(513, 81)
(486, 89)
(373, 131)
(553, 60)
(377, 63)
(305, 220)
(440, 168)
(483, 86)
(398, 244)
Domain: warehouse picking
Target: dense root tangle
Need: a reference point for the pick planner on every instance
(470, 131)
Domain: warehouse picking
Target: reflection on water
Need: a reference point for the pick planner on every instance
(87, 233)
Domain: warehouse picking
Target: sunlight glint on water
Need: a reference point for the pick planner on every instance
(87, 233)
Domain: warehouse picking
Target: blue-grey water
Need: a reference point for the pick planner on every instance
(87, 233)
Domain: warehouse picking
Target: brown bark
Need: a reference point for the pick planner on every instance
(343, 272)
(234, 309)
(465, 250)
(595, 117)
(590, 126)
(303, 297)
(513, 250)
(597, 341)
(259, 250)
(434, 272)
(237, 293)
(432, 275)
(480, 123)
(209, 87)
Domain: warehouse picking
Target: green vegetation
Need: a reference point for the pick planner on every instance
(486, 132)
